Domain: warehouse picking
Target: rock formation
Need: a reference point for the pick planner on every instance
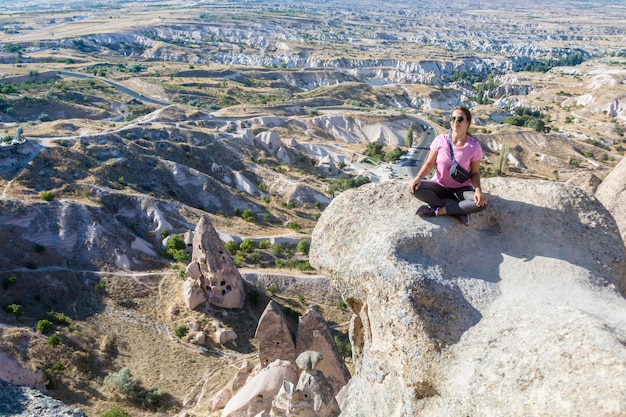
(273, 335)
(312, 397)
(211, 274)
(257, 395)
(518, 314)
(612, 193)
(314, 335)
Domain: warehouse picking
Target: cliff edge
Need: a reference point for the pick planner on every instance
(521, 313)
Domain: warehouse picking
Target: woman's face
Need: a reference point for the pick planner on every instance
(458, 120)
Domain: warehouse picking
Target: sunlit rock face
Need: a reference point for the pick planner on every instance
(522, 310)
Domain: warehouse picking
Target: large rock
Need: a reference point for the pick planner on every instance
(211, 274)
(314, 335)
(273, 336)
(259, 392)
(517, 314)
(612, 193)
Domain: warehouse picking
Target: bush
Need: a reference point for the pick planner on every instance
(16, 309)
(247, 245)
(116, 411)
(247, 215)
(272, 289)
(264, 244)
(182, 331)
(59, 318)
(231, 247)
(123, 385)
(173, 245)
(277, 249)
(239, 260)
(44, 326)
(101, 286)
(303, 246)
(54, 340)
(46, 195)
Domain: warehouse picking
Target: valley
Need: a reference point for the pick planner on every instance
(124, 122)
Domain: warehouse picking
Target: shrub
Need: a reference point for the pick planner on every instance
(294, 226)
(181, 255)
(116, 411)
(304, 266)
(182, 331)
(46, 195)
(277, 249)
(101, 286)
(303, 246)
(247, 215)
(272, 289)
(54, 340)
(231, 247)
(264, 244)
(16, 309)
(164, 233)
(247, 245)
(174, 244)
(255, 257)
(59, 318)
(239, 260)
(123, 385)
(44, 326)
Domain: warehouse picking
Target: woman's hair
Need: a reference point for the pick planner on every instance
(465, 111)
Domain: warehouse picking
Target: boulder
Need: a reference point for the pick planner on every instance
(518, 314)
(612, 193)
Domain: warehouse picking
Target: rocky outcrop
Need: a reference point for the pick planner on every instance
(19, 401)
(312, 397)
(273, 335)
(314, 335)
(257, 395)
(211, 274)
(518, 314)
(612, 193)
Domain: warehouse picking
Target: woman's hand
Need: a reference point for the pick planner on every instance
(479, 198)
(415, 184)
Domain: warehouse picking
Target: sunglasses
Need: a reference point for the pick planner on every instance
(459, 119)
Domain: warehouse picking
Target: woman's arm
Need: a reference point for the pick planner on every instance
(479, 198)
(426, 168)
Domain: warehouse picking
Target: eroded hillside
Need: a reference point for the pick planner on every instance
(123, 126)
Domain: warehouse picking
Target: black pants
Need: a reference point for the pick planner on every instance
(437, 195)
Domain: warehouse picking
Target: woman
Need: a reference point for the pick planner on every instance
(467, 196)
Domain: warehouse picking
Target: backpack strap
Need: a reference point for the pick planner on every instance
(450, 145)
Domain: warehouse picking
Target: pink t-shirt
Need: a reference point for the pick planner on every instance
(471, 151)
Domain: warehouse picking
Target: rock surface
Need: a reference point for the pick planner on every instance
(612, 193)
(16, 401)
(518, 314)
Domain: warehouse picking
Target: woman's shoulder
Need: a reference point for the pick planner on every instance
(472, 140)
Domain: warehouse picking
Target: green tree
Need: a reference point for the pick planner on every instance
(123, 385)
(247, 245)
(408, 141)
(231, 247)
(303, 246)
(44, 326)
